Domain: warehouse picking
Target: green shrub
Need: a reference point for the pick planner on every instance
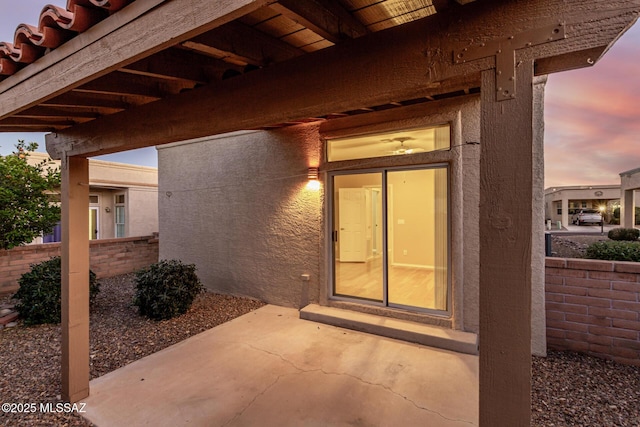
(40, 293)
(166, 289)
(614, 251)
(628, 234)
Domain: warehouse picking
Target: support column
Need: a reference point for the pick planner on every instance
(506, 202)
(538, 312)
(627, 209)
(565, 211)
(75, 278)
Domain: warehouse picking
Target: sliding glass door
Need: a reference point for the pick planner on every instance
(390, 239)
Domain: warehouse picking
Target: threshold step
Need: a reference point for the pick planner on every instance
(429, 335)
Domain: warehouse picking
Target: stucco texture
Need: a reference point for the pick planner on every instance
(248, 222)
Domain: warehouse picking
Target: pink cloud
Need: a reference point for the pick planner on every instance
(592, 118)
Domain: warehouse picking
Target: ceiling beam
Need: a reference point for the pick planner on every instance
(120, 83)
(242, 41)
(84, 100)
(179, 64)
(326, 18)
(169, 23)
(393, 65)
(58, 112)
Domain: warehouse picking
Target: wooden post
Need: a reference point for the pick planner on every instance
(506, 193)
(75, 278)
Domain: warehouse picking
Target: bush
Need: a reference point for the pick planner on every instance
(166, 289)
(628, 234)
(40, 292)
(614, 251)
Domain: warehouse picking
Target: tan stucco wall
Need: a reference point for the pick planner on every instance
(238, 207)
(142, 211)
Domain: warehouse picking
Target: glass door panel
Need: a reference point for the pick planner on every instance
(391, 237)
(417, 238)
(357, 220)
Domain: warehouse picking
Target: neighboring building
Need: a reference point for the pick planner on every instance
(561, 203)
(629, 188)
(123, 200)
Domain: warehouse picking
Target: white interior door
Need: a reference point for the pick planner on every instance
(352, 233)
(93, 223)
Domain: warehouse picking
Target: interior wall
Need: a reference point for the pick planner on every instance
(413, 221)
(238, 207)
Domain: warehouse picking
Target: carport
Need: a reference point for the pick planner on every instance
(108, 76)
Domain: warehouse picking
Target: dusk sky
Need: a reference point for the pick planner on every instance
(592, 115)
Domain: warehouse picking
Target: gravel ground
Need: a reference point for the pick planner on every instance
(568, 389)
(572, 246)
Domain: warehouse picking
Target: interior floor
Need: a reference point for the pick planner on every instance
(409, 286)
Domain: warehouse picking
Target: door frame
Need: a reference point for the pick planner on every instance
(330, 286)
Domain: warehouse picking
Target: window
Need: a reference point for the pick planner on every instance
(397, 143)
(120, 215)
(584, 204)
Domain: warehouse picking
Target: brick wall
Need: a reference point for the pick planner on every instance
(108, 257)
(594, 307)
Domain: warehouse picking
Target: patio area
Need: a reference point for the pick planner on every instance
(269, 367)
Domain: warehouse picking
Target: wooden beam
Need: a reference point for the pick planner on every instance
(178, 64)
(83, 100)
(325, 18)
(506, 194)
(348, 76)
(75, 279)
(59, 112)
(111, 51)
(50, 122)
(246, 42)
(119, 83)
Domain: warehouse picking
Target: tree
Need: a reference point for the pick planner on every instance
(28, 205)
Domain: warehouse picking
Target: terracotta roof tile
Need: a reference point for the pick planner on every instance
(56, 25)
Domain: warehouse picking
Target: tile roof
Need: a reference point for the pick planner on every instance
(56, 25)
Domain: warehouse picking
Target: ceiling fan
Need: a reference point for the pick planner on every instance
(402, 148)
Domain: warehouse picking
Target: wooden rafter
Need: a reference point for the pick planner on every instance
(324, 17)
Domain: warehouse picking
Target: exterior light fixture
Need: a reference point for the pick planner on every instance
(313, 174)
(313, 183)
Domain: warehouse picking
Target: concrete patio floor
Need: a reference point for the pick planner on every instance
(270, 368)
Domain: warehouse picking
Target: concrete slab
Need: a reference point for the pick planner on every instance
(271, 368)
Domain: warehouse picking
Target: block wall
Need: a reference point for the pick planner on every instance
(593, 307)
(108, 257)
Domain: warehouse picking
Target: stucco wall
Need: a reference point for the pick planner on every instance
(238, 207)
(142, 210)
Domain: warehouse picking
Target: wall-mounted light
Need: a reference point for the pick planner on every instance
(313, 174)
(107, 209)
(313, 183)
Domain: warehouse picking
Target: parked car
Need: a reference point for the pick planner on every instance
(587, 216)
